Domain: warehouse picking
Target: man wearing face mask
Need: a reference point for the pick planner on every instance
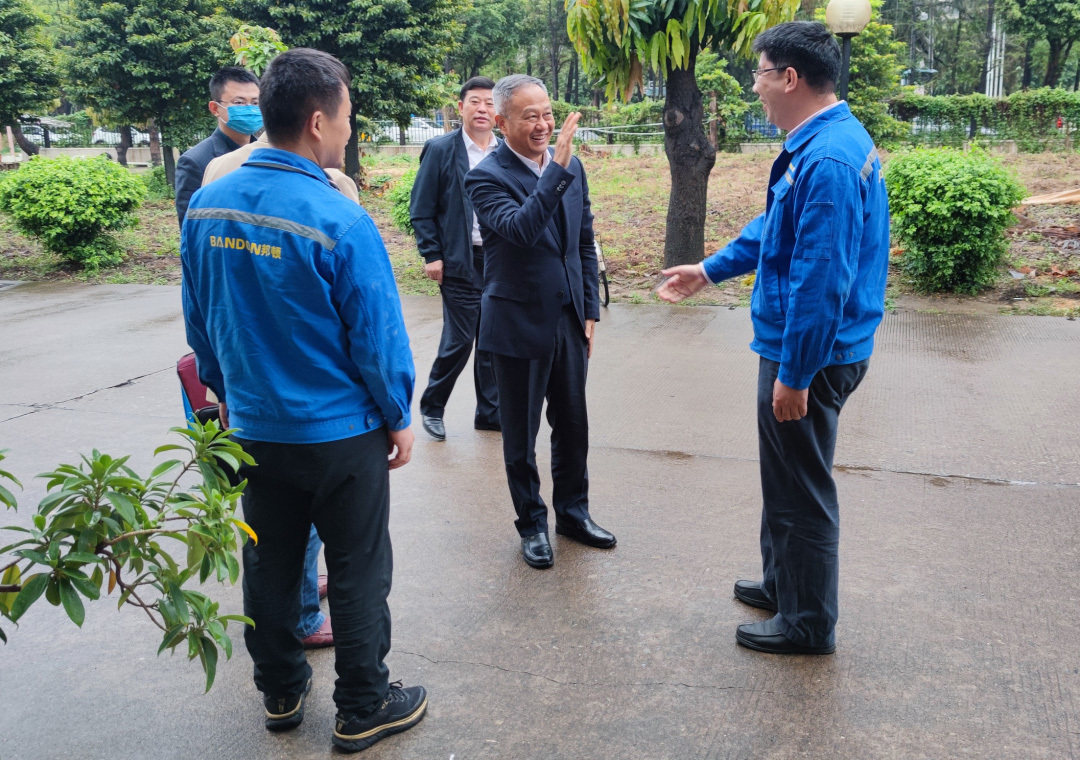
(234, 102)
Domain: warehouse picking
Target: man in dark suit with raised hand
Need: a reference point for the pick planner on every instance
(539, 307)
(448, 237)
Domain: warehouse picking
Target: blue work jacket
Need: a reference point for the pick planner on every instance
(821, 250)
(291, 305)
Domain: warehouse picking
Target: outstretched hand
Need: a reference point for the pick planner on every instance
(564, 145)
(682, 282)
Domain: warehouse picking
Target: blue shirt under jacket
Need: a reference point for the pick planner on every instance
(291, 305)
(821, 250)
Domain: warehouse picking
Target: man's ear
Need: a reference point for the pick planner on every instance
(315, 124)
(792, 79)
(213, 107)
(500, 122)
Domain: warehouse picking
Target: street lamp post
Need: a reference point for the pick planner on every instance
(846, 19)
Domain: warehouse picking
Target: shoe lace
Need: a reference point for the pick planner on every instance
(394, 695)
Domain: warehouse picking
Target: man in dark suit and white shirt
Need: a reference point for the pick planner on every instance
(539, 307)
(448, 237)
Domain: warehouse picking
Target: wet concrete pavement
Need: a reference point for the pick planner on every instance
(959, 631)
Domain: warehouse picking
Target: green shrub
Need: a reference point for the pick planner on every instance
(157, 186)
(949, 209)
(68, 203)
(399, 201)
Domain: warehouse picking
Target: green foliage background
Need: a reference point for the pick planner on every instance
(949, 209)
(69, 203)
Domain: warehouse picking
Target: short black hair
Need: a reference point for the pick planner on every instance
(806, 46)
(476, 83)
(230, 74)
(296, 84)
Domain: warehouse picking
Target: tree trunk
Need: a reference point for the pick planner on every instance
(25, 145)
(125, 143)
(985, 74)
(170, 164)
(155, 143)
(553, 40)
(352, 152)
(690, 158)
(1058, 53)
(1025, 82)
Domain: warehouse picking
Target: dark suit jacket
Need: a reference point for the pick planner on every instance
(538, 241)
(440, 212)
(192, 165)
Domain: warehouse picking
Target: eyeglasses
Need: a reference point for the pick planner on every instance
(756, 73)
(237, 102)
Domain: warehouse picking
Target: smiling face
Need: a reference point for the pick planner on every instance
(771, 86)
(477, 113)
(528, 123)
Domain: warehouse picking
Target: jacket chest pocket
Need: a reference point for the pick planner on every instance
(774, 222)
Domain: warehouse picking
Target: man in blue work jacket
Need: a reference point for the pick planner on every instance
(294, 317)
(821, 254)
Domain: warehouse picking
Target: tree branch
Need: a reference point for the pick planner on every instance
(10, 589)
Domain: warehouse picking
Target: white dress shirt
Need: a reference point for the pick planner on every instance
(537, 169)
(476, 154)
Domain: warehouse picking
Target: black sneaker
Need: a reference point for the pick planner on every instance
(285, 713)
(401, 710)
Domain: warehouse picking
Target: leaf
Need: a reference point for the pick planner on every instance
(246, 528)
(164, 467)
(208, 655)
(85, 586)
(234, 568)
(11, 577)
(123, 504)
(239, 619)
(73, 604)
(30, 593)
(112, 580)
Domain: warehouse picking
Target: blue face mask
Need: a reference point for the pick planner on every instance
(247, 120)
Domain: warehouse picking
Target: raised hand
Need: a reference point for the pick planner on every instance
(564, 146)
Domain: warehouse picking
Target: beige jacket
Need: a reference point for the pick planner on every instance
(222, 165)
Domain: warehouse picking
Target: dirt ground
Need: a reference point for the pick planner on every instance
(630, 194)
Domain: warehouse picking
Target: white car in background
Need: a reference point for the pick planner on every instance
(104, 136)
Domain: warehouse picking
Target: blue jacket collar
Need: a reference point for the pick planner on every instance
(289, 161)
(818, 123)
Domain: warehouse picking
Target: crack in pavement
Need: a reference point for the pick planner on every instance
(844, 467)
(566, 683)
(49, 405)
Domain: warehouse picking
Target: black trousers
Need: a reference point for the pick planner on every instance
(523, 386)
(342, 487)
(461, 324)
(800, 517)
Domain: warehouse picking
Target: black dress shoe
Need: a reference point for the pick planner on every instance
(482, 425)
(587, 532)
(536, 550)
(766, 637)
(749, 592)
(434, 427)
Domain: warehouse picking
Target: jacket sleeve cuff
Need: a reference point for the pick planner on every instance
(794, 380)
(430, 257)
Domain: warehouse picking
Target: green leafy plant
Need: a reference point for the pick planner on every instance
(949, 209)
(255, 46)
(102, 528)
(157, 185)
(68, 203)
(399, 201)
